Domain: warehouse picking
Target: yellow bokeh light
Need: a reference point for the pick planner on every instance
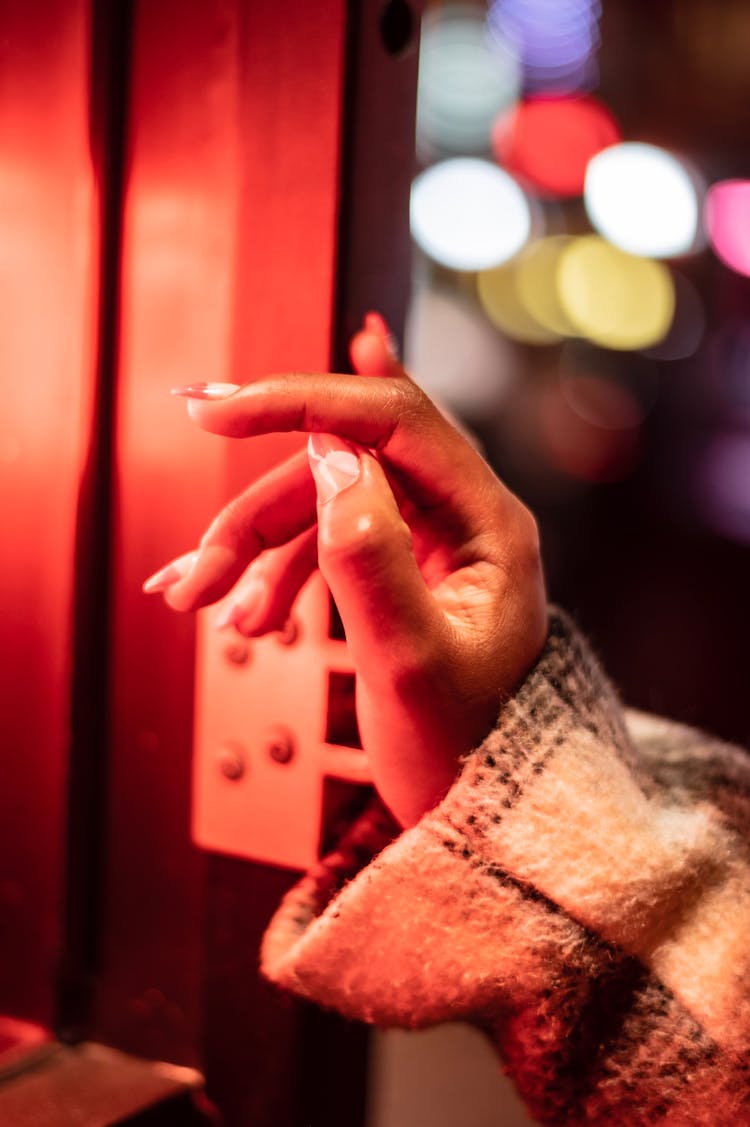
(536, 280)
(499, 296)
(615, 299)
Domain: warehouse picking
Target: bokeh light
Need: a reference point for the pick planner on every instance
(616, 299)
(550, 141)
(537, 284)
(727, 220)
(499, 296)
(590, 428)
(453, 352)
(468, 214)
(465, 78)
(644, 200)
(555, 40)
(722, 485)
(635, 374)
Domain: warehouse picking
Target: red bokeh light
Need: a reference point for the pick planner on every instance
(591, 429)
(549, 141)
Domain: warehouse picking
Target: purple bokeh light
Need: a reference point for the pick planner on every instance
(555, 40)
(723, 485)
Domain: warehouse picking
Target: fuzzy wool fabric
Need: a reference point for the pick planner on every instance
(582, 894)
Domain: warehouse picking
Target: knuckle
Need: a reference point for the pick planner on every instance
(226, 524)
(235, 528)
(416, 402)
(408, 404)
(370, 540)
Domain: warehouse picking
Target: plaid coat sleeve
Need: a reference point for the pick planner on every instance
(582, 893)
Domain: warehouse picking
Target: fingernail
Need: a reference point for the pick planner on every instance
(334, 464)
(227, 615)
(242, 607)
(376, 323)
(169, 574)
(206, 390)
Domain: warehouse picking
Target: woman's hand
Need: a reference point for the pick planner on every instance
(434, 565)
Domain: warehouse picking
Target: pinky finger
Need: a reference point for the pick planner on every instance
(373, 351)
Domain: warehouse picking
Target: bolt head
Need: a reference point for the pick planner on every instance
(231, 761)
(237, 652)
(289, 632)
(280, 746)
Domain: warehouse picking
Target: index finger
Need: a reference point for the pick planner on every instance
(391, 416)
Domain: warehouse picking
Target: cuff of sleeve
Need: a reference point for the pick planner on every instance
(461, 915)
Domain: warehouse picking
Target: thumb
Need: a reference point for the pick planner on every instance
(366, 555)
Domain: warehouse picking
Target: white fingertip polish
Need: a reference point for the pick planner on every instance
(335, 465)
(170, 574)
(207, 391)
(243, 607)
(225, 616)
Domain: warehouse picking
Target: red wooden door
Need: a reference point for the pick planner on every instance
(247, 166)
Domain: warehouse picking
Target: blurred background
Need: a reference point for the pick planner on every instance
(582, 233)
(581, 227)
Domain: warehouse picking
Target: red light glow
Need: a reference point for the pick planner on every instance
(590, 429)
(549, 141)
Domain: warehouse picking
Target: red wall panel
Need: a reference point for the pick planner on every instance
(211, 143)
(48, 257)
(228, 268)
(177, 264)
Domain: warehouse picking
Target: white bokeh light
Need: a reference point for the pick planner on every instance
(465, 79)
(644, 200)
(468, 214)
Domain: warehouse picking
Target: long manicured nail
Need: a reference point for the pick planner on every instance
(334, 464)
(243, 606)
(376, 323)
(227, 615)
(206, 390)
(170, 574)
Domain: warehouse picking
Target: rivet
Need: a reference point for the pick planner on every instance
(237, 652)
(289, 632)
(280, 746)
(231, 761)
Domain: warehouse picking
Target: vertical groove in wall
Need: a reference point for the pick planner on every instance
(109, 63)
